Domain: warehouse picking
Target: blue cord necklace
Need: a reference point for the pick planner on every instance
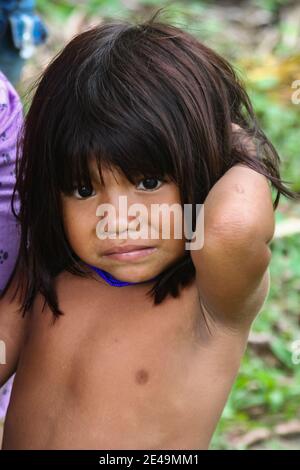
(112, 281)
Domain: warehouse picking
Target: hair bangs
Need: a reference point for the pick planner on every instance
(118, 137)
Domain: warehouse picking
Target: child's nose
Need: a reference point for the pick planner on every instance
(120, 225)
(113, 214)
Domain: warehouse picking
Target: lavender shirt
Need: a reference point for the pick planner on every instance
(11, 118)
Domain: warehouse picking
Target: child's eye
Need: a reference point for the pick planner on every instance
(83, 192)
(150, 184)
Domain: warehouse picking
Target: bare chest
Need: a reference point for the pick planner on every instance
(117, 364)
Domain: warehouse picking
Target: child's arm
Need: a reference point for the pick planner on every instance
(232, 267)
(12, 331)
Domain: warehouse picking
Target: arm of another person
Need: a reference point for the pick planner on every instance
(12, 330)
(11, 119)
(11, 322)
(232, 272)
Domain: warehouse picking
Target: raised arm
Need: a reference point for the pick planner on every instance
(232, 267)
(12, 331)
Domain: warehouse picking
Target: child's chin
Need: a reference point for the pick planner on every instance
(134, 275)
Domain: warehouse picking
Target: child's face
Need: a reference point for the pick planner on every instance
(82, 224)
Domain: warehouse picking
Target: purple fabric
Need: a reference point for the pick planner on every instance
(5, 392)
(11, 118)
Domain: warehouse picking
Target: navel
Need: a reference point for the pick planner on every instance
(142, 376)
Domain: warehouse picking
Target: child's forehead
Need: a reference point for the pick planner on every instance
(104, 172)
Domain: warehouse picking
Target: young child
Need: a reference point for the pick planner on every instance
(134, 343)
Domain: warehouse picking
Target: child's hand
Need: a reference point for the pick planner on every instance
(243, 140)
(231, 268)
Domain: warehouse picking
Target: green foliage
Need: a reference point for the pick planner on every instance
(267, 388)
(281, 124)
(271, 5)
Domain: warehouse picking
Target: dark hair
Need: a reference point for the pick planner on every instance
(146, 97)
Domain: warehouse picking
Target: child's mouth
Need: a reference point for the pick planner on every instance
(131, 254)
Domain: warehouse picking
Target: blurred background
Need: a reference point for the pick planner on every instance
(262, 41)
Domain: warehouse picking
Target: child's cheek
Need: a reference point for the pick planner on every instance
(79, 223)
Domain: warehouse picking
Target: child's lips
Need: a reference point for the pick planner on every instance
(131, 254)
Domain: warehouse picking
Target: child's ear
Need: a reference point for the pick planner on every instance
(242, 140)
